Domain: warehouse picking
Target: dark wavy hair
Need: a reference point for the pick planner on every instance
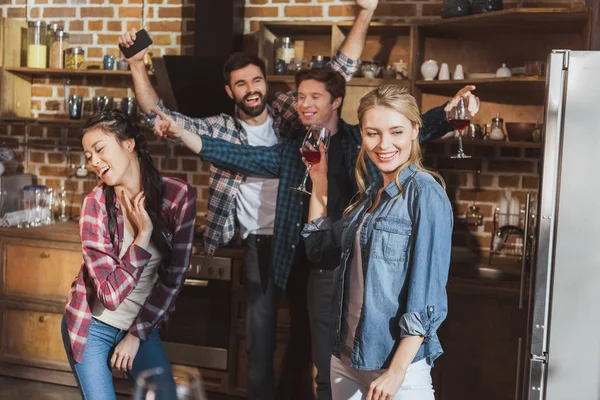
(116, 123)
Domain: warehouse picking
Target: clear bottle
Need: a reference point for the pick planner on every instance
(284, 50)
(497, 128)
(36, 44)
(57, 47)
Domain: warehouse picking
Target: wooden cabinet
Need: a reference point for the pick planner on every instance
(33, 337)
(483, 339)
(39, 269)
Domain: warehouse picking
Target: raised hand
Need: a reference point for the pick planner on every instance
(166, 127)
(126, 40)
(471, 99)
(137, 214)
(367, 4)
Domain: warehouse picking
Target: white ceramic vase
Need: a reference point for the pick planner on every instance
(429, 69)
(444, 72)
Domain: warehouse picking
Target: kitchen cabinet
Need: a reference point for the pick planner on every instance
(484, 342)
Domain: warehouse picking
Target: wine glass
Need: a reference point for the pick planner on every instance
(460, 118)
(310, 151)
(156, 384)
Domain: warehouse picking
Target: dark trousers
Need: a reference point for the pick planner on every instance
(320, 292)
(295, 380)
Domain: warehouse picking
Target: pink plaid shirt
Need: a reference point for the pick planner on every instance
(109, 279)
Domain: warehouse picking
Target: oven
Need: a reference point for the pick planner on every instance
(198, 332)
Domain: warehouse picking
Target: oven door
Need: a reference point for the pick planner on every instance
(197, 333)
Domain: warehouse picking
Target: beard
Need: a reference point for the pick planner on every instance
(252, 111)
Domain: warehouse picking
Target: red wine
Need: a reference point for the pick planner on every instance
(459, 124)
(312, 156)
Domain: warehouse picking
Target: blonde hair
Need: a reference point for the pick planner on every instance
(397, 99)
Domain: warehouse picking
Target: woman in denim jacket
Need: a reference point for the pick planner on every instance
(390, 296)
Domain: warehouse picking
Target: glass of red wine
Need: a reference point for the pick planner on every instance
(460, 118)
(310, 150)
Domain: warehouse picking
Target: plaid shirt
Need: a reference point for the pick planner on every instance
(224, 184)
(283, 161)
(109, 279)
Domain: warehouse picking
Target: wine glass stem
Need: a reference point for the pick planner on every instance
(303, 185)
(460, 146)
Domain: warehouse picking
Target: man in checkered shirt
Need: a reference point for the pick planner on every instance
(250, 203)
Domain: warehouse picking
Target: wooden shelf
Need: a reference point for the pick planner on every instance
(67, 72)
(512, 21)
(290, 80)
(44, 120)
(515, 90)
(494, 143)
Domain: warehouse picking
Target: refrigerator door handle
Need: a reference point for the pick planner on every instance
(525, 259)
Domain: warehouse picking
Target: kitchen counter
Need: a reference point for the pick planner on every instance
(69, 232)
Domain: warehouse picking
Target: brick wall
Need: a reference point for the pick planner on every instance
(95, 24)
(339, 10)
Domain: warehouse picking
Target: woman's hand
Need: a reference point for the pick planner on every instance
(126, 40)
(318, 172)
(137, 214)
(124, 354)
(387, 385)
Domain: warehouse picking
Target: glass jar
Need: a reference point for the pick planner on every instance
(497, 129)
(36, 44)
(57, 47)
(284, 50)
(74, 58)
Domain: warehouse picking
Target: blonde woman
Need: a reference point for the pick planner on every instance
(390, 295)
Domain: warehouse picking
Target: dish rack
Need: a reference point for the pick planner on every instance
(507, 234)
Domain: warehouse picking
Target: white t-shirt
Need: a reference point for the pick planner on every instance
(257, 197)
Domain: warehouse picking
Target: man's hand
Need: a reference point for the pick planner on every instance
(367, 4)
(126, 40)
(470, 98)
(166, 127)
(124, 354)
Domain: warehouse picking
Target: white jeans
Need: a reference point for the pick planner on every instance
(349, 383)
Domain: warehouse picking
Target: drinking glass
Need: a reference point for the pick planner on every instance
(460, 118)
(75, 103)
(310, 151)
(155, 384)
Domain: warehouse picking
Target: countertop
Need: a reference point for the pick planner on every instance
(476, 276)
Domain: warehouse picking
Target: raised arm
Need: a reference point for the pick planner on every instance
(355, 42)
(149, 101)
(145, 94)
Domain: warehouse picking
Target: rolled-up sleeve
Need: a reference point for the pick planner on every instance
(320, 236)
(427, 302)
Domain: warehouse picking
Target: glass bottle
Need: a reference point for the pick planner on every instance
(36, 44)
(497, 128)
(57, 47)
(284, 50)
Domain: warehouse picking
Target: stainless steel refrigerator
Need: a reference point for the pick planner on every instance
(565, 320)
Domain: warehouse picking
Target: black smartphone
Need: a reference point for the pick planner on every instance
(142, 40)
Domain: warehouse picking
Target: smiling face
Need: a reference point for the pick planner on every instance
(109, 158)
(315, 105)
(248, 88)
(387, 137)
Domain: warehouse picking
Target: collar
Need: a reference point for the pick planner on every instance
(392, 189)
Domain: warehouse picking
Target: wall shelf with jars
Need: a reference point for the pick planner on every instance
(473, 49)
(67, 73)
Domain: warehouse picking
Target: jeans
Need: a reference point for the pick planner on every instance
(93, 373)
(320, 293)
(349, 383)
(295, 381)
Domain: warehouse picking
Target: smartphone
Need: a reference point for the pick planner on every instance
(142, 40)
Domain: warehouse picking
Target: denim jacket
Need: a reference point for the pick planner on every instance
(405, 248)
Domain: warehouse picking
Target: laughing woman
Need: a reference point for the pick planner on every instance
(136, 232)
(390, 294)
